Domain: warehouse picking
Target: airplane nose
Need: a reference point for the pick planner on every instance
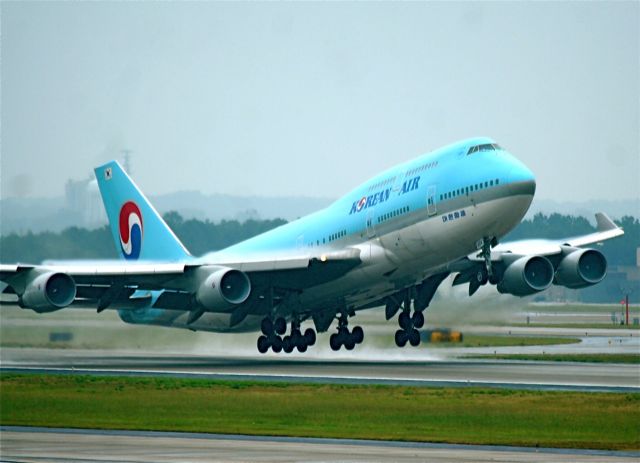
(522, 181)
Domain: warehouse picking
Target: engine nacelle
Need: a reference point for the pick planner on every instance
(527, 275)
(581, 268)
(223, 288)
(48, 292)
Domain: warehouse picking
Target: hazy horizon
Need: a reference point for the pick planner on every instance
(311, 99)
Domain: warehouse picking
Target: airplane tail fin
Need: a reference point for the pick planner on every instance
(138, 230)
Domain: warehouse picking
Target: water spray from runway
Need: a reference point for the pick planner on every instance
(451, 308)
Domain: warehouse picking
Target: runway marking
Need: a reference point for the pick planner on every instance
(314, 379)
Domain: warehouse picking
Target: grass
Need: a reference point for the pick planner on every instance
(456, 415)
(475, 340)
(591, 358)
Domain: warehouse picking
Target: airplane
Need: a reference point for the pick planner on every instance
(390, 242)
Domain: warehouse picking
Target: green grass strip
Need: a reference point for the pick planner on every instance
(454, 415)
(591, 358)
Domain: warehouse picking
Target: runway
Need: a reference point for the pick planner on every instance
(456, 373)
(34, 445)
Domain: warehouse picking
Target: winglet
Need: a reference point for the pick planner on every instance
(606, 230)
(604, 222)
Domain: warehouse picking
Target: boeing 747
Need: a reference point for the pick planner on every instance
(388, 243)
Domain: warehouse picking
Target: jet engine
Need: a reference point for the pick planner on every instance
(222, 288)
(527, 275)
(48, 292)
(581, 268)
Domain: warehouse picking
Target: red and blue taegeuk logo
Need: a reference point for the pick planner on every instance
(130, 225)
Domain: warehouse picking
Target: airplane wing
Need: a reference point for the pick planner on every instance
(606, 229)
(121, 285)
(159, 272)
(515, 265)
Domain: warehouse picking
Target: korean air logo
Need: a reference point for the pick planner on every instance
(130, 230)
(361, 203)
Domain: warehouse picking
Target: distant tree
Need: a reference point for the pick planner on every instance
(552, 226)
(201, 237)
(204, 236)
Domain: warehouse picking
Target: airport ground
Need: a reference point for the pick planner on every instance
(81, 342)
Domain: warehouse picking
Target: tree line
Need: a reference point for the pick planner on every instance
(198, 236)
(205, 236)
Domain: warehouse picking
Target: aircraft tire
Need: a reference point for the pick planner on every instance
(350, 343)
(280, 326)
(481, 277)
(310, 336)
(287, 344)
(266, 326)
(358, 334)
(401, 338)
(263, 344)
(414, 337)
(302, 347)
(404, 320)
(276, 344)
(298, 339)
(335, 342)
(418, 320)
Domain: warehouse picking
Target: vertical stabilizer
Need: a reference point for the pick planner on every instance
(138, 230)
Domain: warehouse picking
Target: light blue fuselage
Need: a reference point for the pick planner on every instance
(399, 196)
(407, 223)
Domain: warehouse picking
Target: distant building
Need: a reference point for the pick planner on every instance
(82, 198)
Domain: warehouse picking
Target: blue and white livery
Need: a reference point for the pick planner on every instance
(388, 243)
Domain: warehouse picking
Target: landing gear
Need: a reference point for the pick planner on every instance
(272, 331)
(344, 337)
(297, 340)
(409, 325)
(487, 244)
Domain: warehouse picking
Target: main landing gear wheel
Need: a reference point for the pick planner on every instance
(272, 332)
(344, 337)
(263, 344)
(408, 331)
(280, 326)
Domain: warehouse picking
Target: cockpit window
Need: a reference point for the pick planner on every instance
(484, 147)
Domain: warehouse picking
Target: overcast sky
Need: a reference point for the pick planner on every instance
(313, 98)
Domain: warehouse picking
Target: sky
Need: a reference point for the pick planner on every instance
(311, 99)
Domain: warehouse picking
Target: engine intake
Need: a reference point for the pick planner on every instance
(581, 268)
(527, 275)
(223, 288)
(49, 292)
